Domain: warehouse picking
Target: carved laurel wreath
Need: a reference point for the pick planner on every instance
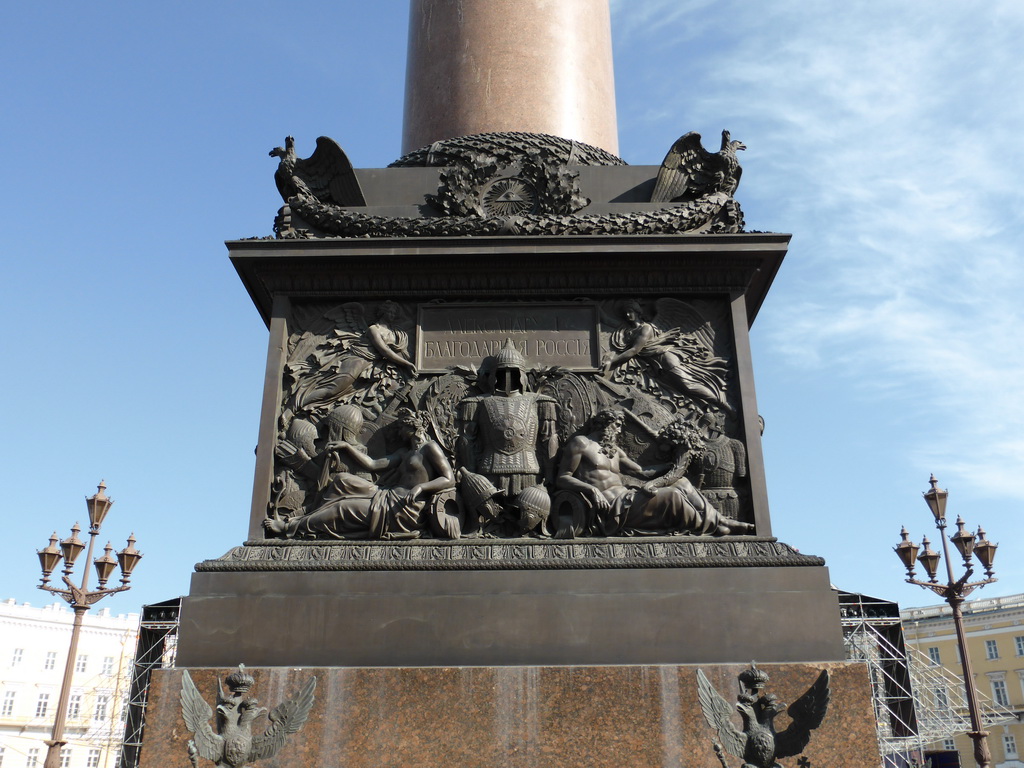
(714, 214)
(484, 188)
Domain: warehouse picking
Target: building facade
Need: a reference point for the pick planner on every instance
(995, 642)
(33, 650)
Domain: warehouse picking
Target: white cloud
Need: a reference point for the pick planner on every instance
(890, 135)
(685, 19)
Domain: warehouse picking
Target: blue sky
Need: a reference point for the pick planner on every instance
(884, 136)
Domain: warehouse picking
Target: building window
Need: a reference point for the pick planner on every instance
(8, 707)
(75, 706)
(65, 757)
(933, 655)
(80, 662)
(102, 705)
(108, 665)
(32, 760)
(999, 693)
(17, 656)
(941, 697)
(991, 650)
(93, 760)
(1009, 746)
(42, 704)
(51, 660)
(949, 745)
(1019, 642)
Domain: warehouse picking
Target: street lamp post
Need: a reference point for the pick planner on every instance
(954, 591)
(80, 598)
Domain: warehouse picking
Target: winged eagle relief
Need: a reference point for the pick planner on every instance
(233, 744)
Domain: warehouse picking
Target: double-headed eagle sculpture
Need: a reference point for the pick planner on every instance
(757, 743)
(233, 745)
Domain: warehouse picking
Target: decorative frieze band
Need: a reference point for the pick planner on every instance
(660, 552)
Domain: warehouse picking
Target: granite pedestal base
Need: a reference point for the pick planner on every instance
(517, 717)
(376, 615)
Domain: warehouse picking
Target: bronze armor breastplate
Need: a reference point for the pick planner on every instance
(509, 426)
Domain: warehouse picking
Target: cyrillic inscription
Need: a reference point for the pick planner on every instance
(563, 334)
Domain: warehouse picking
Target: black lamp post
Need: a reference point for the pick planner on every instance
(81, 598)
(954, 591)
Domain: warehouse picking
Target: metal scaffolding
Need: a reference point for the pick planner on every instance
(158, 642)
(917, 702)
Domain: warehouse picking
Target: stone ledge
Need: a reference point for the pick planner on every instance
(431, 555)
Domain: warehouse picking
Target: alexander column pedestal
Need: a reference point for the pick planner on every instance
(628, 599)
(461, 636)
(509, 505)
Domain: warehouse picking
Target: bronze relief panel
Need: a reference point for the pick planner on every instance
(566, 419)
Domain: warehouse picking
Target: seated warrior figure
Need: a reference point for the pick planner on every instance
(508, 434)
(393, 508)
(297, 449)
(594, 465)
(303, 470)
(344, 424)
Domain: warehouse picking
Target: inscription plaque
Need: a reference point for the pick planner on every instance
(546, 334)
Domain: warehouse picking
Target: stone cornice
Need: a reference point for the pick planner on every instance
(467, 267)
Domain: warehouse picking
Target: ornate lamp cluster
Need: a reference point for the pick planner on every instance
(953, 591)
(968, 544)
(80, 597)
(99, 505)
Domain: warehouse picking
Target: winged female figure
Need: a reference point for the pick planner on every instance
(356, 361)
(675, 348)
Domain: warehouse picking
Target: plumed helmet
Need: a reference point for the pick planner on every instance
(509, 357)
(476, 489)
(344, 417)
(534, 501)
(302, 434)
(715, 421)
